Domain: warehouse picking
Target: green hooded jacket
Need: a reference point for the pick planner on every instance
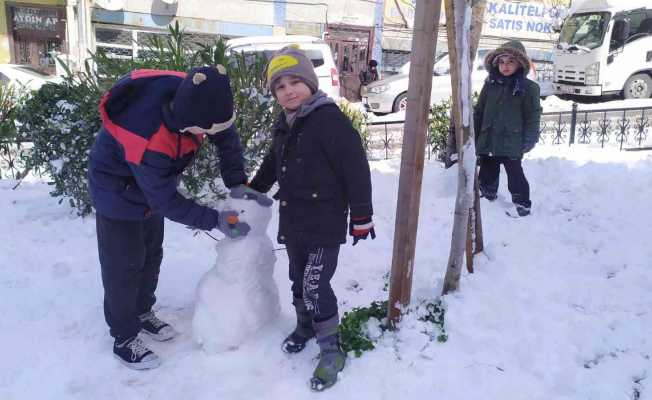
(507, 116)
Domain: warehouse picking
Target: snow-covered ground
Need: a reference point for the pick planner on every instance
(559, 308)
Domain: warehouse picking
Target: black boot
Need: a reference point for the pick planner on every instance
(296, 341)
(331, 356)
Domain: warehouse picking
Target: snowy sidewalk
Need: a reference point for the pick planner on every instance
(560, 306)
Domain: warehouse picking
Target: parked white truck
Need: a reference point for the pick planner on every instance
(605, 48)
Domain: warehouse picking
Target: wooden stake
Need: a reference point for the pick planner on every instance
(424, 39)
(463, 26)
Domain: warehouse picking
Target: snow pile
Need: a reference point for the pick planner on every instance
(238, 296)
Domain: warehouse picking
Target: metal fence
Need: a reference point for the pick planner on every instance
(385, 140)
(627, 128)
(624, 127)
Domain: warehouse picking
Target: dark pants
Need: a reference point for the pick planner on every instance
(311, 270)
(130, 255)
(516, 181)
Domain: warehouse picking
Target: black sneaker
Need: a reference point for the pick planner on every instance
(157, 329)
(135, 355)
(522, 210)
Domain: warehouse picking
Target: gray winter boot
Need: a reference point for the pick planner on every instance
(296, 341)
(331, 356)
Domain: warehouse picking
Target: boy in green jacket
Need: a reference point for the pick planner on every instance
(507, 123)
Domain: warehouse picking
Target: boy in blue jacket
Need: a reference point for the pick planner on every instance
(153, 123)
(322, 172)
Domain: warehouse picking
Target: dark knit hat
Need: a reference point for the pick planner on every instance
(512, 48)
(291, 61)
(204, 101)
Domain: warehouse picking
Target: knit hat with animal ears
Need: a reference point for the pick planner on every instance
(204, 101)
(291, 61)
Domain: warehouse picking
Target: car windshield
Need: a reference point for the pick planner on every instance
(584, 31)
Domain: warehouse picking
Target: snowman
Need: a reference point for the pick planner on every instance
(238, 296)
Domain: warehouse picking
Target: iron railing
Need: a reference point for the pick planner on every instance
(385, 140)
(624, 127)
(627, 128)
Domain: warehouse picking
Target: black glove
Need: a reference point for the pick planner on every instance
(247, 193)
(230, 226)
(360, 228)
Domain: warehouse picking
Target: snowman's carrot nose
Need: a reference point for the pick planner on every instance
(232, 219)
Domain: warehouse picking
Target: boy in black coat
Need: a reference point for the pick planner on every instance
(322, 171)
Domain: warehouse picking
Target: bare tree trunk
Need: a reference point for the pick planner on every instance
(459, 17)
(426, 22)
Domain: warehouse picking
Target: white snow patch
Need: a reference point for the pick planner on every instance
(559, 306)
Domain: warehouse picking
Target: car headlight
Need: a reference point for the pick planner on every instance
(592, 74)
(379, 88)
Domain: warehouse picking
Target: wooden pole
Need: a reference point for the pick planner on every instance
(424, 39)
(463, 27)
(475, 214)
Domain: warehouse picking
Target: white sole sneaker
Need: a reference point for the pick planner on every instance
(150, 362)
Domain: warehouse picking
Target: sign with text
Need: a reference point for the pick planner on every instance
(503, 18)
(524, 20)
(35, 19)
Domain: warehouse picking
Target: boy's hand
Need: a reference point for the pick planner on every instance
(230, 226)
(247, 193)
(360, 228)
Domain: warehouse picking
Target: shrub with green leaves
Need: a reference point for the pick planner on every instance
(354, 330)
(438, 128)
(358, 120)
(361, 327)
(61, 120)
(12, 97)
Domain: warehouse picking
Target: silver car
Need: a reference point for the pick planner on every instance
(390, 94)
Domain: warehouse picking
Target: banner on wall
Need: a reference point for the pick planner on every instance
(524, 20)
(36, 19)
(398, 16)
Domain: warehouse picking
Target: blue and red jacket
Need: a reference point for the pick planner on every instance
(139, 154)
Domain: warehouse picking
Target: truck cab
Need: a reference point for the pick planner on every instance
(605, 48)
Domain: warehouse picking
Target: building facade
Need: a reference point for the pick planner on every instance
(122, 27)
(33, 32)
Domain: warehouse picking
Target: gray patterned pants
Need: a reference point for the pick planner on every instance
(311, 270)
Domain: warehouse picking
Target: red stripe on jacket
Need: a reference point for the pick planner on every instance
(167, 143)
(148, 73)
(134, 145)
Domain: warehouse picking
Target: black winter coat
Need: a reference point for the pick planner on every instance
(322, 172)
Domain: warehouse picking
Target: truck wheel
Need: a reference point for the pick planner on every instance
(638, 86)
(400, 104)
